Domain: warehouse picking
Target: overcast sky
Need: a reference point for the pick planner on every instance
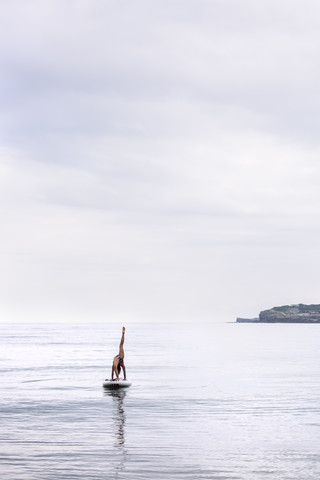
(159, 160)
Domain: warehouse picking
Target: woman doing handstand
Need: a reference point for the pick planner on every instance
(118, 362)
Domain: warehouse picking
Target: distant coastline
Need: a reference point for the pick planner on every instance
(298, 313)
(247, 320)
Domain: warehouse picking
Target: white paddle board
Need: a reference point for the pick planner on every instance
(116, 383)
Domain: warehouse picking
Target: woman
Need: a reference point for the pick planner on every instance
(118, 362)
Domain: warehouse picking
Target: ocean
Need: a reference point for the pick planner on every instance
(220, 401)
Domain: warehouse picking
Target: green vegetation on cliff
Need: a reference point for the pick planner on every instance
(299, 313)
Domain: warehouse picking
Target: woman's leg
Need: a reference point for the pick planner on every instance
(121, 351)
(114, 370)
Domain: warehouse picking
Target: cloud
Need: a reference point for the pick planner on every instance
(158, 160)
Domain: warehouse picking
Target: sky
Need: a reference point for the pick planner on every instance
(159, 160)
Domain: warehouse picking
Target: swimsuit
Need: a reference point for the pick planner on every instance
(120, 362)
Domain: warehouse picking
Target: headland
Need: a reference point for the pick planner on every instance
(299, 313)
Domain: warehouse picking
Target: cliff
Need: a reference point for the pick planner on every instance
(299, 313)
(291, 314)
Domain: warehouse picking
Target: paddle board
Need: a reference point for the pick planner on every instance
(116, 383)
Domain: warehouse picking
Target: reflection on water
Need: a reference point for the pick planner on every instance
(119, 420)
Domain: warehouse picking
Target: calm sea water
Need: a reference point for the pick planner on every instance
(221, 401)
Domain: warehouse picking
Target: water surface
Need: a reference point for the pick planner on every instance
(220, 401)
